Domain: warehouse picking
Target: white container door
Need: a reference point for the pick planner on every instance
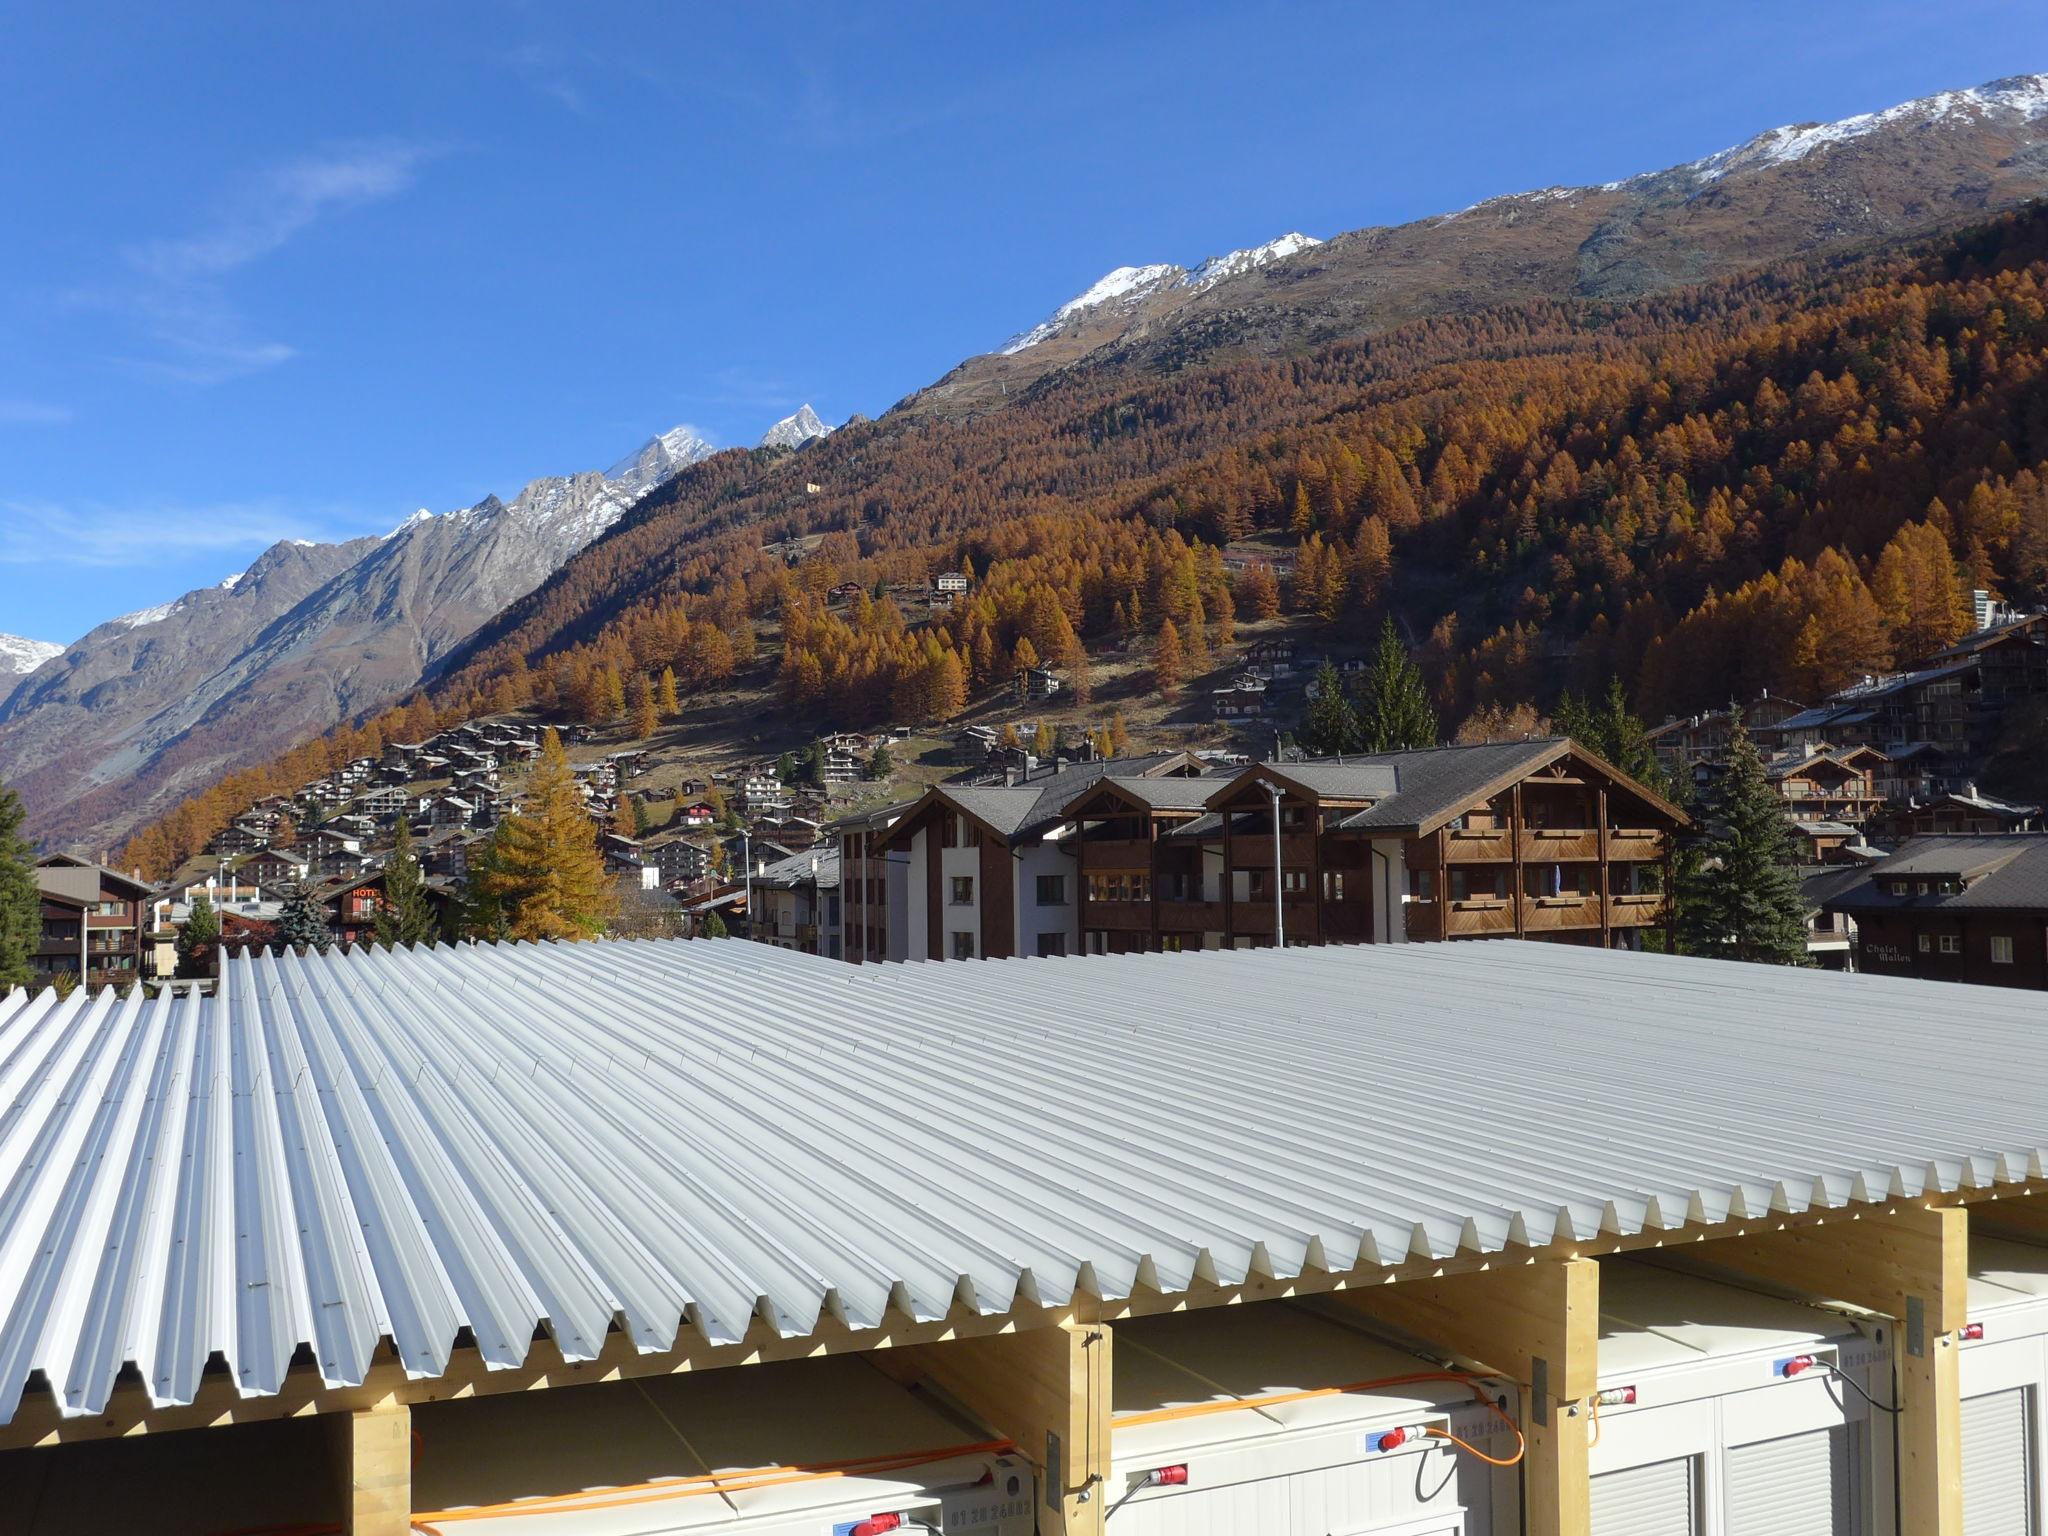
(1659, 1498)
(1797, 1485)
(1998, 1479)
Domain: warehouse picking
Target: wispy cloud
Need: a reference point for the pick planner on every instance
(551, 72)
(178, 290)
(98, 534)
(17, 412)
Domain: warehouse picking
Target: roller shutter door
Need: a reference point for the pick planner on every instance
(1997, 1465)
(1658, 1499)
(1795, 1486)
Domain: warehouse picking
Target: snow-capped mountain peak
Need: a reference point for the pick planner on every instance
(1123, 287)
(1126, 288)
(1217, 268)
(2019, 96)
(20, 656)
(659, 459)
(795, 430)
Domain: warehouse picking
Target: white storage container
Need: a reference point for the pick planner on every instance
(1211, 1396)
(1720, 1440)
(797, 1449)
(2003, 1373)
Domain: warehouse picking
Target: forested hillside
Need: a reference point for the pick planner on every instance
(1781, 480)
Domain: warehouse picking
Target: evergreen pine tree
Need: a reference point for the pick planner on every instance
(406, 917)
(549, 874)
(483, 906)
(199, 939)
(1331, 725)
(1742, 900)
(302, 922)
(1394, 711)
(714, 927)
(880, 763)
(785, 768)
(21, 906)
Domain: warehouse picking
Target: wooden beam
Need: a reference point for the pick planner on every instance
(1528, 1321)
(1048, 1390)
(1538, 1324)
(1913, 1265)
(373, 1460)
(1904, 1261)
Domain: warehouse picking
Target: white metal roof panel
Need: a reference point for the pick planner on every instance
(345, 1149)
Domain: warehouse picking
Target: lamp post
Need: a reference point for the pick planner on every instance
(1279, 909)
(747, 861)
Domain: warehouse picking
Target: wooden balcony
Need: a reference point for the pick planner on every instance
(1116, 853)
(1479, 845)
(1548, 914)
(1190, 917)
(1255, 850)
(1639, 911)
(1117, 916)
(1560, 845)
(1634, 845)
(1481, 915)
(1254, 918)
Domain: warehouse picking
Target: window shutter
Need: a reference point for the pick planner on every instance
(1658, 1499)
(1795, 1486)
(1998, 1476)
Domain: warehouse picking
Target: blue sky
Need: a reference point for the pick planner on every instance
(273, 271)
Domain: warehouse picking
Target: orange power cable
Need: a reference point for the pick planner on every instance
(744, 1481)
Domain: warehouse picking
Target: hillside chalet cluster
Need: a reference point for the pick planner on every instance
(1910, 868)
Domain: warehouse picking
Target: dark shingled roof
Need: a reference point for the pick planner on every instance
(1021, 811)
(2001, 873)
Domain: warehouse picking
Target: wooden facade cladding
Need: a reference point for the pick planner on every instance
(997, 895)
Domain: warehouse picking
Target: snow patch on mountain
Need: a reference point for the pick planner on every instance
(2023, 96)
(20, 655)
(1126, 288)
(1217, 268)
(1123, 287)
(143, 616)
(796, 430)
(659, 460)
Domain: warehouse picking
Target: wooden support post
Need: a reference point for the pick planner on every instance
(1047, 1389)
(373, 1457)
(1518, 894)
(1537, 1324)
(1912, 1265)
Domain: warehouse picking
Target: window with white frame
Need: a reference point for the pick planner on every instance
(2001, 949)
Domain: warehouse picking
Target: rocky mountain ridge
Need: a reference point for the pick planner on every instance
(1790, 191)
(152, 704)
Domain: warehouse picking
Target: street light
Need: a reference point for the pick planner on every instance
(1279, 910)
(747, 860)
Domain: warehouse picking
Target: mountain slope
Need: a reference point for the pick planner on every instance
(1139, 429)
(151, 705)
(1791, 191)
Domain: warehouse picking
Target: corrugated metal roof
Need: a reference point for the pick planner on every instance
(662, 1135)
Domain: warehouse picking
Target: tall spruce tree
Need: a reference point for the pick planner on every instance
(1394, 712)
(1331, 725)
(198, 943)
(406, 917)
(1741, 899)
(1612, 730)
(548, 873)
(302, 922)
(21, 904)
